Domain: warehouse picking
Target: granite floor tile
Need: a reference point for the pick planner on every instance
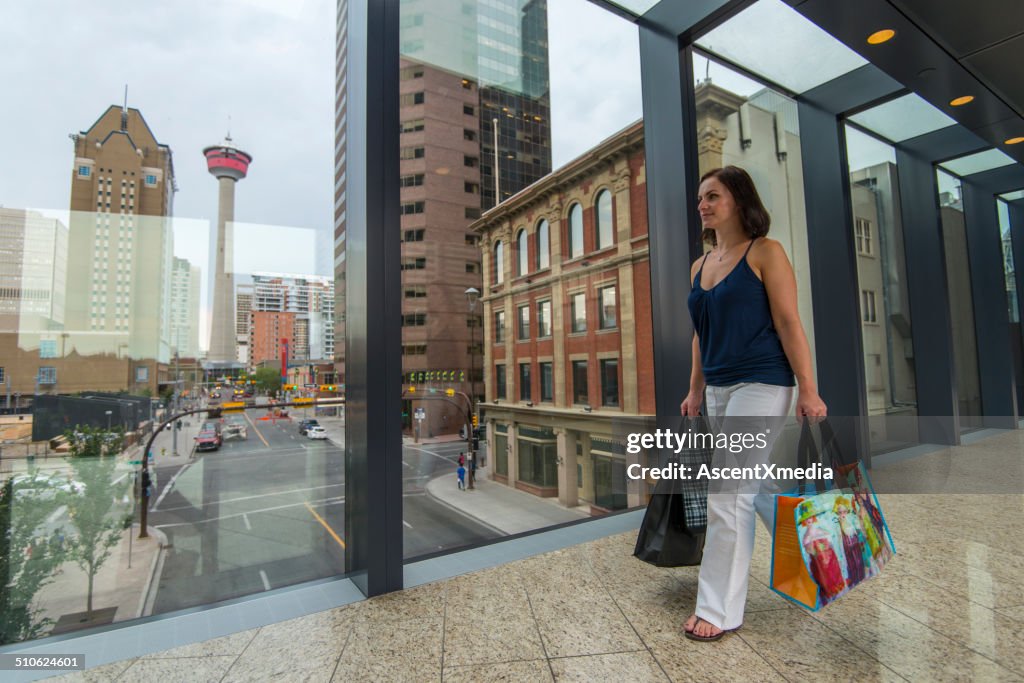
(422, 602)
(178, 670)
(728, 660)
(1016, 613)
(97, 674)
(636, 667)
(498, 636)
(233, 644)
(406, 650)
(534, 671)
(303, 649)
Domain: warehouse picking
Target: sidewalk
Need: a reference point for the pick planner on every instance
(505, 509)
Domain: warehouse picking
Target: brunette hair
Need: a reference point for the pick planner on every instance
(753, 216)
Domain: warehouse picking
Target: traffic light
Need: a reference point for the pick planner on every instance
(450, 392)
(475, 420)
(412, 389)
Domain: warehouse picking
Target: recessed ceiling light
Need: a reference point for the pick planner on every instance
(879, 37)
(1014, 141)
(960, 101)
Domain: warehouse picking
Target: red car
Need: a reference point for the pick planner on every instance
(208, 440)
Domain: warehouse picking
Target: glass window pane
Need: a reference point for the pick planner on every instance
(958, 274)
(603, 216)
(575, 231)
(544, 319)
(775, 41)
(524, 382)
(903, 118)
(522, 257)
(976, 163)
(578, 312)
(610, 383)
(543, 246)
(637, 7)
(607, 308)
(579, 382)
(1012, 196)
(886, 334)
(547, 385)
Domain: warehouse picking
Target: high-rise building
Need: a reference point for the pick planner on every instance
(185, 284)
(120, 245)
(243, 309)
(481, 78)
(310, 298)
(269, 333)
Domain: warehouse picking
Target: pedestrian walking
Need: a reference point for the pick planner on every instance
(461, 472)
(462, 459)
(749, 350)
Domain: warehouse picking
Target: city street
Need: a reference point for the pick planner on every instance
(268, 512)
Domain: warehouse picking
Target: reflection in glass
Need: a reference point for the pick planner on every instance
(775, 41)
(1012, 301)
(885, 308)
(958, 277)
(903, 118)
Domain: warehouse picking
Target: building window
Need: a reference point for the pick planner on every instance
(543, 245)
(472, 188)
(524, 381)
(468, 110)
(412, 72)
(412, 207)
(472, 267)
(538, 456)
(47, 374)
(84, 171)
(543, 319)
(868, 313)
(411, 153)
(499, 263)
(3, 375)
(579, 382)
(608, 318)
(414, 349)
(472, 212)
(412, 126)
(575, 231)
(862, 228)
(468, 134)
(524, 322)
(472, 240)
(499, 327)
(605, 223)
(414, 263)
(415, 291)
(413, 235)
(471, 162)
(150, 182)
(522, 263)
(412, 180)
(414, 320)
(610, 383)
(578, 312)
(546, 382)
(411, 98)
(499, 381)
(142, 374)
(474, 321)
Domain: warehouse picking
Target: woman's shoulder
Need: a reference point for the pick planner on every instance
(766, 253)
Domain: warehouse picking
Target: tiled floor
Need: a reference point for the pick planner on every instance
(950, 606)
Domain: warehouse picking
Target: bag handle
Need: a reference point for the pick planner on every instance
(808, 453)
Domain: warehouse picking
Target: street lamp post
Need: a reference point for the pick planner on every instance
(472, 296)
(109, 413)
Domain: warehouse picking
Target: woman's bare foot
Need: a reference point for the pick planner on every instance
(705, 629)
(690, 623)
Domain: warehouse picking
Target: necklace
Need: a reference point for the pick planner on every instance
(722, 254)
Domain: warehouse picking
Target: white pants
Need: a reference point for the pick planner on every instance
(729, 542)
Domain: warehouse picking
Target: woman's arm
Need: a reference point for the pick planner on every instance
(692, 402)
(780, 283)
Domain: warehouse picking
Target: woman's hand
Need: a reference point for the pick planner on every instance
(809, 404)
(690, 407)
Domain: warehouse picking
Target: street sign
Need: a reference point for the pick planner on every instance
(302, 400)
(420, 414)
(134, 462)
(309, 386)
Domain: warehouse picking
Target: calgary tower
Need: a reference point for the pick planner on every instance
(228, 164)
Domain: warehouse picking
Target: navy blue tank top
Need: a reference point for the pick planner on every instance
(738, 341)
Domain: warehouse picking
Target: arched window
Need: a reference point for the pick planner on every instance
(522, 259)
(575, 231)
(543, 245)
(605, 225)
(499, 261)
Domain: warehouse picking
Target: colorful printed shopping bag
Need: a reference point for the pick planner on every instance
(826, 542)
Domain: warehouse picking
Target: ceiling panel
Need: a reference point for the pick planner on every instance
(965, 27)
(1000, 66)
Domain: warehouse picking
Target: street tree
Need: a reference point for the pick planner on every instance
(96, 508)
(29, 556)
(268, 380)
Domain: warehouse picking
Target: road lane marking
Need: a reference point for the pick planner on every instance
(409, 526)
(326, 526)
(258, 495)
(56, 514)
(266, 584)
(324, 501)
(440, 457)
(256, 429)
(168, 487)
(245, 518)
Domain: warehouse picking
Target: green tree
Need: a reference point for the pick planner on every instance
(268, 379)
(95, 507)
(28, 557)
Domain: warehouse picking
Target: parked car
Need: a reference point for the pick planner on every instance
(208, 440)
(306, 424)
(316, 432)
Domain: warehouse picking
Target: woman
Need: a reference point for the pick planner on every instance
(747, 346)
